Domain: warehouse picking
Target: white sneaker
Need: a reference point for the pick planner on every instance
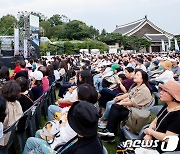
(102, 125)
(105, 132)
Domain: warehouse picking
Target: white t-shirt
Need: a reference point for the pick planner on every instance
(56, 74)
(165, 76)
(66, 133)
(141, 67)
(72, 97)
(62, 71)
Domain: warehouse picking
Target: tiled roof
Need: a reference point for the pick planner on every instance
(133, 27)
(125, 29)
(156, 38)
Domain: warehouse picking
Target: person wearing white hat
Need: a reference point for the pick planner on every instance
(37, 89)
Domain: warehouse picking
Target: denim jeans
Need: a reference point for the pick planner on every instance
(98, 82)
(34, 142)
(51, 110)
(106, 95)
(108, 107)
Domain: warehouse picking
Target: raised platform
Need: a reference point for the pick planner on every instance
(9, 61)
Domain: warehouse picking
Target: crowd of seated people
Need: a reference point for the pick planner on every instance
(100, 89)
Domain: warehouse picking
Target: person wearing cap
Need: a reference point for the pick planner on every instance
(83, 119)
(160, 68)
(140, 65)
(45, 81)
(167, 74)
(175, 69)
(66, 132)
(167, 121)
(37, 89)
(154, 65)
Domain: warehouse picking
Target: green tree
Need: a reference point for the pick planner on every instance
(103, 32)
(58, 32)
(77, 30)
(55, 20)
(68, 48)
(7, 24)
(46, 29)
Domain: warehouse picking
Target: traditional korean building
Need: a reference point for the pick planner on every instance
(146, 29)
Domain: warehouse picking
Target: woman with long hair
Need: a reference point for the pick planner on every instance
(138, 97)
(71, 95)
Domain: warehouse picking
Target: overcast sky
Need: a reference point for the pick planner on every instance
(103, 13)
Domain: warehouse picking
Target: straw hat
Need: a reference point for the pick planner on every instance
(166, 65)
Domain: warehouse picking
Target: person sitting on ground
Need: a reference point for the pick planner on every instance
(167, 121)
(139, 96)
(11, 92)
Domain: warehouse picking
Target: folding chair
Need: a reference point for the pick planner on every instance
(11, 130)
(24, 121)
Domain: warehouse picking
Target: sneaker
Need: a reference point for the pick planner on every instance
(102, 125)
(105, 132)
(107, 138)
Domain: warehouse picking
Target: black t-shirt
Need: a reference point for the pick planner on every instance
(37, 92)
(169, 123)
(90, 145)
(21, 73)
(26, 103)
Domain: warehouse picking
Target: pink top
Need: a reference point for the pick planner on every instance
(45, 84)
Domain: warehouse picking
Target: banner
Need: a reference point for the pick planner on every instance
(16, 41)
(176, 45)
(25, 49)
(169, 44)
(163, 45)
(34, 34)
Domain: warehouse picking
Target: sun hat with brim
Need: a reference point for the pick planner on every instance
(166, 65)
(37, 75)
(83, 118)
(114, 67)
(173, 88)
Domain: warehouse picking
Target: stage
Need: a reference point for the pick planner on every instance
(9, 61)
